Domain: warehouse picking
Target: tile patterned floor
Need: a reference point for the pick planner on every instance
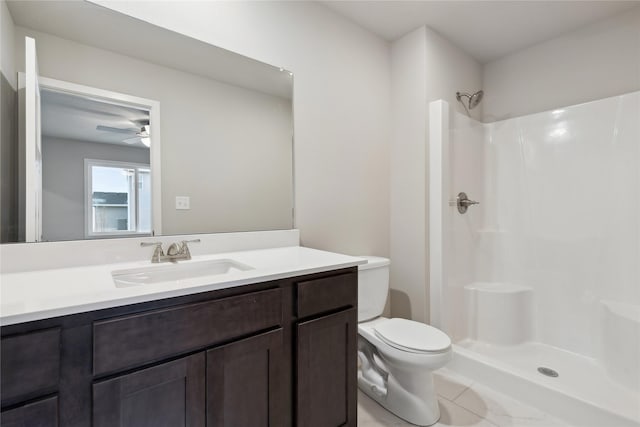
(463, 403)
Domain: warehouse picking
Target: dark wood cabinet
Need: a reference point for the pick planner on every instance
(30, 364)
(168, 395)
(327, 370)
(323, 295)
(243, 383)
(130, 341)
(273, 354)
(42, 413)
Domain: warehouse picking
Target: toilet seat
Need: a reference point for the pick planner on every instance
(411, 336)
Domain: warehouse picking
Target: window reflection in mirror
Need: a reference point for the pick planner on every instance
(119, 198)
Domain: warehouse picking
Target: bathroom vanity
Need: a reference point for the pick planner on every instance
(275, 352)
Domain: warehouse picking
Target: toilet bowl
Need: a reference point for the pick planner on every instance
(396, 356)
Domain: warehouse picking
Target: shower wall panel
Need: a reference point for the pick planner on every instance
(559, 213)
(467, 153)
(565, 190)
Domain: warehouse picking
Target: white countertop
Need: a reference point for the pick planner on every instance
(35, 295)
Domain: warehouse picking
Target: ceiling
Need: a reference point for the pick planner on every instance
(487, 30)
(66, 116)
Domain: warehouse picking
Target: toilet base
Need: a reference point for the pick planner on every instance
(421, 410)
(399, 380)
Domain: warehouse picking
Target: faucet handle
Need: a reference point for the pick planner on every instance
(191, 241)
(185, 247)
(156, 244)
(157, 253)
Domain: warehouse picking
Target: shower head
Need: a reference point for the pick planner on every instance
(473, 100)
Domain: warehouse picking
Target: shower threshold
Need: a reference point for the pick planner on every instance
(582, 394)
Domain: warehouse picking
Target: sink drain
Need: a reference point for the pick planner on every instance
(548, 372)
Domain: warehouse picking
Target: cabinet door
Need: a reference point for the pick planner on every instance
(167, 395)
(326, 371)
(30, 365)
(244, 383)
(43, 413)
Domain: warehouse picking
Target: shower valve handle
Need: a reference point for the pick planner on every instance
(463, 202)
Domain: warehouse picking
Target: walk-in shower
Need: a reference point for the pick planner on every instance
(539, 285)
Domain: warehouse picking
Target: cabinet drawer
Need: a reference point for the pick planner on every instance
(326, 294)
(30, 364)
(43, 413)
(130, 341)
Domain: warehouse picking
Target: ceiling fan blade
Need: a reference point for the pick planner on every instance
(118, 130)
(144, 132)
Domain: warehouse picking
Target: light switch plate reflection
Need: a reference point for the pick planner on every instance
(182, 203)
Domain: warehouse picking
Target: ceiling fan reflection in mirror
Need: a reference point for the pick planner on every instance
(136, 134)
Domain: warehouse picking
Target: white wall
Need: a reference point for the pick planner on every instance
(593, 62)
(8, 130)
(425, 67)
(450, 70)
(408, 154)
(341, 107)
(7, 60)
(63, 182)
(227, 148)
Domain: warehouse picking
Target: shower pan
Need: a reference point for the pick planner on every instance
(539, 284)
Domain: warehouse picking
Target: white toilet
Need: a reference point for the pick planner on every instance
(397, 356)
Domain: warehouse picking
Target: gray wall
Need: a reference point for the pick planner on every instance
(229, 149)
(8, 131)
(342, 106)
(424, 67)
(593, 62)
(9, 162)
(63, 182)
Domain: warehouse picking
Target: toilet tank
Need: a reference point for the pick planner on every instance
(373, 287)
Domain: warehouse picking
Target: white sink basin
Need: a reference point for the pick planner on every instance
(176, 272)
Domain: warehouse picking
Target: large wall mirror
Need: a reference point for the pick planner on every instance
(113, 127)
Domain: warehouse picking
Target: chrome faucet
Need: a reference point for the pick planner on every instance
(176, 251)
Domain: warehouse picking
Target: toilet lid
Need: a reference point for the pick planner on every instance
(412, 336)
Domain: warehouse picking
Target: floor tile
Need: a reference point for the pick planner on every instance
(450, 384)
(463, 403)
(502, 410)
(371, 414)
(453, 415)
